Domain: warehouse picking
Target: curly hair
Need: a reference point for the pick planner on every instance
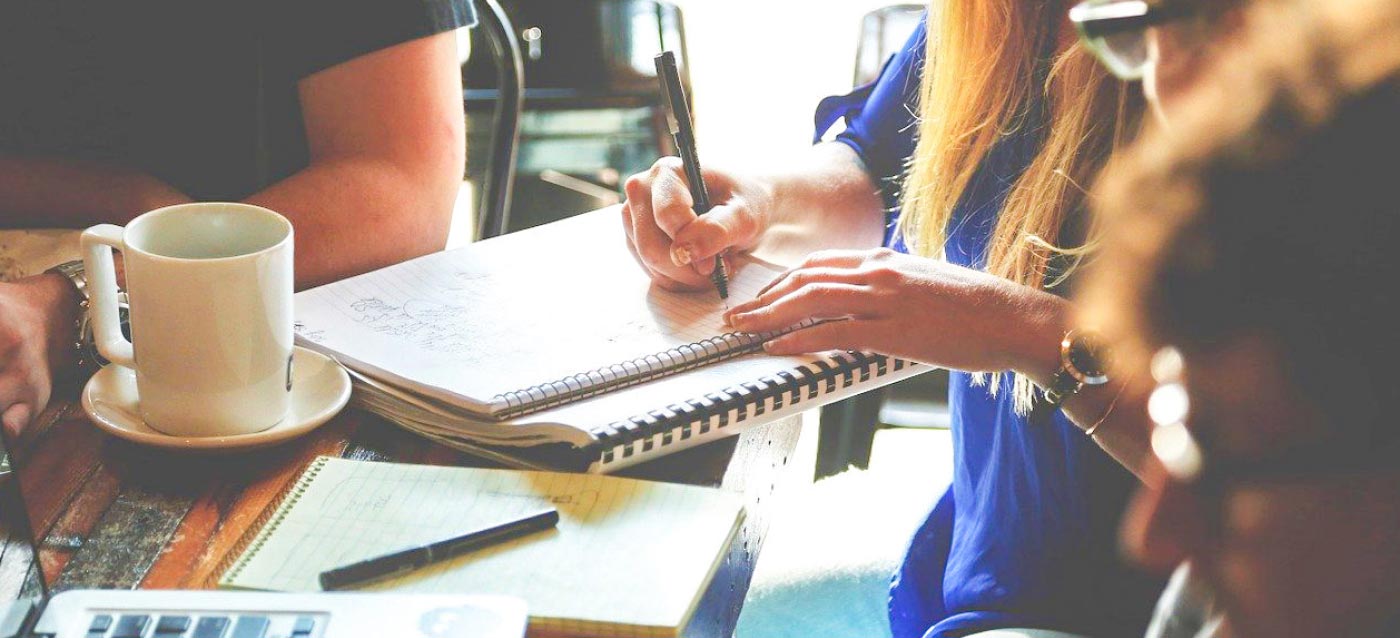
(1271, 208)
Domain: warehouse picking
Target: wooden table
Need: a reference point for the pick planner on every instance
(117, 515)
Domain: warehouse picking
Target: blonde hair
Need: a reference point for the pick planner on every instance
(985, 61)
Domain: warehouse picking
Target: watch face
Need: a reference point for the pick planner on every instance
(1089, 358)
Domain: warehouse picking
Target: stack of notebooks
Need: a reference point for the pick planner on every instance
(549, 348)
(628, 558)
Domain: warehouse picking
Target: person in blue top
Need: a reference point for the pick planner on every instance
(974, 163)
(1012, 119)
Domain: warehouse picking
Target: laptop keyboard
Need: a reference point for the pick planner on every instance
(190, 626)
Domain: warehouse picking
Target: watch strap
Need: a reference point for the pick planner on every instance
(1062, 386)
(83, 342)
(76, 275)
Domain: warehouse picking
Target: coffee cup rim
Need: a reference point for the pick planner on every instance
(146, 217)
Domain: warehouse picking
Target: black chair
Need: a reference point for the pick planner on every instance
(591, 102)
(493, 215)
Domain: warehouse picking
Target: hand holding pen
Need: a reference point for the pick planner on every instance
(676, 247)
(682, 130)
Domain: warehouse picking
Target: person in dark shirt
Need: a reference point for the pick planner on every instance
(344, 116)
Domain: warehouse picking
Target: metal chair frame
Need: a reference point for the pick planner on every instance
(493, 215)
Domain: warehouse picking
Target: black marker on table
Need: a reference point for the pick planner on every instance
(683, 131)
(401, 562)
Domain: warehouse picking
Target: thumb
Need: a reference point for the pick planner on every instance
(15, 418)
(725, 226)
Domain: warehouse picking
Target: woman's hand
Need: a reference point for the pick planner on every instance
(37, 319)
(674, 245)
(910, 307)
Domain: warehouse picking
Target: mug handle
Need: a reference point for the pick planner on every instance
(97, 244)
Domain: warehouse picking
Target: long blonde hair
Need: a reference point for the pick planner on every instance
(985, 61)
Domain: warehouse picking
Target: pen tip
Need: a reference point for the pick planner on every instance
(721, 284)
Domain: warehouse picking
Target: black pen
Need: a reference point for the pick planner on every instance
(397, 563)
(683, 131)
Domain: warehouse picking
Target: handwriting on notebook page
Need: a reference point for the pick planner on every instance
(476, 328)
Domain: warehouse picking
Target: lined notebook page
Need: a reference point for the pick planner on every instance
(628, 557)
(511, 313)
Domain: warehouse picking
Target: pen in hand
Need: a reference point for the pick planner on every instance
(683, 131)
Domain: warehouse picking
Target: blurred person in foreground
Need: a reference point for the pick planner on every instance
(1248, 254)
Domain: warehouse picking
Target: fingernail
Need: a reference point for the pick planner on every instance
(680, 255)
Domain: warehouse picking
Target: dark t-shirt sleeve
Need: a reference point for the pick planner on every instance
(881, 117)
(317, 34)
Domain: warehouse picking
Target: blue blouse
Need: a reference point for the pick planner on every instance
(1026, 534)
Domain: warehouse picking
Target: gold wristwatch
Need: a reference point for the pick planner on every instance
(1083, 361)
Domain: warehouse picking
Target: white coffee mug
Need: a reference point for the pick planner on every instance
(210, 293)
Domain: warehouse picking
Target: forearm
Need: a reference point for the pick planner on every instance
(386, 137)
(822, 199)
(38, 192)
(357, 214)
(1116, 410)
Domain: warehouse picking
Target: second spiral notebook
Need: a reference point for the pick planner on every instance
(551, 348)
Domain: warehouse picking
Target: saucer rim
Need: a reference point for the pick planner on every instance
(277, 434)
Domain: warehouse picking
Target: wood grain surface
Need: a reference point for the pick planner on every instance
(115, 515)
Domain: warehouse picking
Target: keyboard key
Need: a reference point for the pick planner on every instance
(131, 626)
(100, 624)
(211, 627)
(304, 626)
(172, 626)
(250, 627)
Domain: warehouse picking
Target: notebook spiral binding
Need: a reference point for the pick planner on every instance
(253, 538)
(735, 404)
(634, 372)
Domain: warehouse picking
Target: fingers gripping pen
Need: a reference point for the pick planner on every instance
(683, 131)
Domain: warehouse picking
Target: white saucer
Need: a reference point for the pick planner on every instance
(320, 388)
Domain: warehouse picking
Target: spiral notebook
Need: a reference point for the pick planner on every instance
(550, 348)
(628, 558)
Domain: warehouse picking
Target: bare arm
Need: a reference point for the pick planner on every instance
(946, 315)
(39, 192)
(387, 143)
(824, 199)
(1117, 408)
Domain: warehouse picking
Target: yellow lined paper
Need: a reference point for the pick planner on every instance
(629, 558)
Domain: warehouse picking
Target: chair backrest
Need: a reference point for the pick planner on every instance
(882, 32)
(494, 212)
(589, 109)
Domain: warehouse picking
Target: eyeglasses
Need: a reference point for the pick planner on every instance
(1115, 31)
(1186, 460)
